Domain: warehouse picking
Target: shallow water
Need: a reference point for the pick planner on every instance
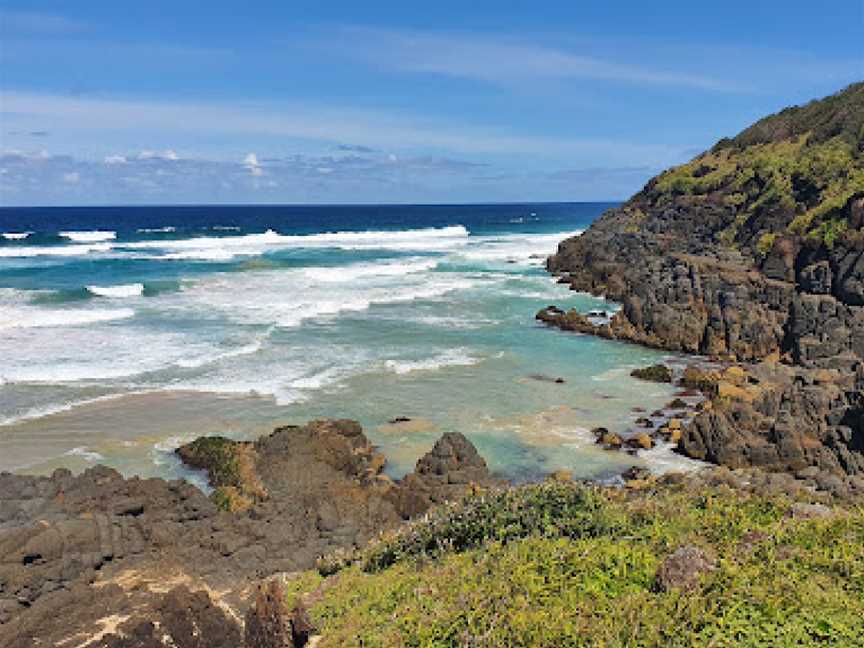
(137, 330)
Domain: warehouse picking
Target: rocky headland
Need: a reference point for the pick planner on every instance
(100, 560)
(751, 254)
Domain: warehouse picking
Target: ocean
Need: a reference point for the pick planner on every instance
(125, 331)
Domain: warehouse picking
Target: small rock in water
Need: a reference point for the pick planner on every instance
(655, 373)
(399, 419)
(642, 441)
(636, 473)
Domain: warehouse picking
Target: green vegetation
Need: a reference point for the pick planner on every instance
(791, 172)
(230, 467)
(655, 373)
(559, 564)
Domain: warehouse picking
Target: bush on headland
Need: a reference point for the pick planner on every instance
(562, 564)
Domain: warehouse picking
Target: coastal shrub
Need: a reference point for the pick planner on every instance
(230, 467)
(797, 183)
(655, 373)
(779, 581)
(552, 509)
(766, 242)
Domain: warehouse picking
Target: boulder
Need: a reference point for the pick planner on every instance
(683, 569)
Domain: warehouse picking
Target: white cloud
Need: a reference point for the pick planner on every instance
(32, 22)
(326, 124)
(251, 163)
(71, 177)
(495, 58)
(167, 154)
(115, 159)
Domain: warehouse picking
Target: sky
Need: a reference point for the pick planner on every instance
(162, 102)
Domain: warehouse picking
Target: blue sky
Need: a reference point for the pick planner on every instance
(308, 102)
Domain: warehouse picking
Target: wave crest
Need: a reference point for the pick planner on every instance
(93, 236)
(123, 290)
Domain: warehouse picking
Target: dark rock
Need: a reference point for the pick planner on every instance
(636, 473)
(323, 491)
(268, 623)
(697, 273)
(641, 441)
(655, 373)
(183, 619)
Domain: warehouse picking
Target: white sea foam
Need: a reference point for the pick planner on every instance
(663, 459)
(465, 323)
(84, 453)
(90, 236)
(157, 230)
(365, 270)
(123, 290)
(206, 359)
(286, 298)
(26, 317)
(53, 250)
(16, 236)
(220, 248)
(58, 408)
(450, 358)
(522, 249)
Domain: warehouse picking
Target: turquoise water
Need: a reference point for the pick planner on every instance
(124, 332)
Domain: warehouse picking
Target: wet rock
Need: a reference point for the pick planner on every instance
(641, 441)
(655, 373)
(610, 440)
(636, 473)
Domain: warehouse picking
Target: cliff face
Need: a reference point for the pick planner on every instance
(752, 251)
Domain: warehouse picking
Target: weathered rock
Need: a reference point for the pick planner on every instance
(809, 511)
(697, 273)
(641, 441)
(322, 491)
(683, 569)
(268, 622)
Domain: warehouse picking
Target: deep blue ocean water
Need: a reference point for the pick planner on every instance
(127, 330)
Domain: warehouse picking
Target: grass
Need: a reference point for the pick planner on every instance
(567, 565)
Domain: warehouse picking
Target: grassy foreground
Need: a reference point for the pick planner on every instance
(560, 564)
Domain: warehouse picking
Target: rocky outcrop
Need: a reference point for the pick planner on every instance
(717, 259)
(99, 546)
(683, 568)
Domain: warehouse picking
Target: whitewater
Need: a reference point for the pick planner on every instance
(123, 333)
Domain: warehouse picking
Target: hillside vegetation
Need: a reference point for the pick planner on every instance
(792, 172)
(559, 564)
